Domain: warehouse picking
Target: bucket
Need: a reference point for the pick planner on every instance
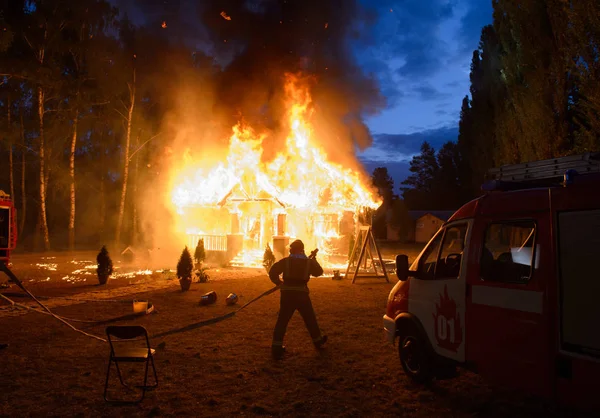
(232, 299)
(142, 307)
(208, 298)
(139, 307)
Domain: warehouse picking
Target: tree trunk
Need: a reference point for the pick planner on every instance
(126, 162)
(134, 194)
(72, 178)
(43, 218)
(102, 220)
(23, 194)
(10, 153)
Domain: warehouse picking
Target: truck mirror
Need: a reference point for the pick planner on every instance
(402, 267)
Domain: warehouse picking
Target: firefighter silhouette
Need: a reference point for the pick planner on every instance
(296, 270)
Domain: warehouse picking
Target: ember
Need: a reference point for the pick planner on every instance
(240, 205)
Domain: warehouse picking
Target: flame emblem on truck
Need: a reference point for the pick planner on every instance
(446, 321)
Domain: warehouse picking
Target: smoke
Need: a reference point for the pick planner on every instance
(245, 48)
(266, 38)
(255, 42)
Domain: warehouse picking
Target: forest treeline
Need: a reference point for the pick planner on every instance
(84, 94)
(79, 107)
(535, 94)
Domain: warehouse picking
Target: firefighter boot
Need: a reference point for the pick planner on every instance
(321, 341)
(277, 351)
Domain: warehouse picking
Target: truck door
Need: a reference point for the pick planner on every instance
(437, 294)
(507, 314)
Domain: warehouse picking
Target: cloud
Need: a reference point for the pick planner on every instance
(394, 147)
(384, 74)
(478, 14)
(413, 34)
(427, 92)
(395, 151)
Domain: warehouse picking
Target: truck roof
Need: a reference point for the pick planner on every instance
(522, 187)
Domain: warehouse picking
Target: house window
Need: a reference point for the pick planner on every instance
(507, 254)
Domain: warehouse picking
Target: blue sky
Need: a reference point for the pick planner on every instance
(421, 57)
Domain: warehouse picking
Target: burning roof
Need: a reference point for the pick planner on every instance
(300, 176)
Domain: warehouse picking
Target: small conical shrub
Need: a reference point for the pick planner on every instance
(199, 253)
(185, 266)
(268, 258)
(105, 265)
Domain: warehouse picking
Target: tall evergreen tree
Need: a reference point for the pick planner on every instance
(424, 168)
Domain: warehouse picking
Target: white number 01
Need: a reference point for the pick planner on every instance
(445, 327)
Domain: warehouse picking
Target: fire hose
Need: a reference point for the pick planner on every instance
(64, 320)
(18, 282)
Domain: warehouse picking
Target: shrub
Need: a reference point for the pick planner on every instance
(202, 275)
(185, 265)
(268, 258)
(199, 253)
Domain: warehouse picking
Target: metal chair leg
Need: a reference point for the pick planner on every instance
(155, 375)
(106, 383)
(120, 375)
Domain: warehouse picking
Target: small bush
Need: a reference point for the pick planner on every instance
(202, 275)
(268, 258)
(185, 265)
(199, 253)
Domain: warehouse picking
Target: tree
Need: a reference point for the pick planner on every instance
(436, 180)
(384, 184)
(385, 188)
(401, 219)
(199, 253)
(128, 34)
(448, 188)
(84, 34)
(185, 266)
(424, 169)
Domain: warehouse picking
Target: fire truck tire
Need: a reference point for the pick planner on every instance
(415, 357)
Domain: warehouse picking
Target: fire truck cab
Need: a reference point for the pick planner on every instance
(8, 227)
(509, 286)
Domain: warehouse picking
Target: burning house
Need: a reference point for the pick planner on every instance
(242, 204)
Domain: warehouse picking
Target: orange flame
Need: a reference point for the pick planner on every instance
(300, 182)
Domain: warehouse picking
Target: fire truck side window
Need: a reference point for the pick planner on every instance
(444, 264)
(507, 254)
(448, 265)
(429, 258)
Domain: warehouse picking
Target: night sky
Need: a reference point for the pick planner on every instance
(419, 50)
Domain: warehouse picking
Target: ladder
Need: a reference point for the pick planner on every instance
(554, 168)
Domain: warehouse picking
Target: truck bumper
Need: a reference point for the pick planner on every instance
(389, 328)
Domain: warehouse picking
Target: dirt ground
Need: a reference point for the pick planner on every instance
(225, 368)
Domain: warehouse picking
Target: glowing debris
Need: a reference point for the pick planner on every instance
(51, 267)
(224, 16)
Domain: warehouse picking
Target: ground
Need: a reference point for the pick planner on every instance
(225, 368)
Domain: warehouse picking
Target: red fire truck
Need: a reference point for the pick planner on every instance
(509, 287)
(8, 227)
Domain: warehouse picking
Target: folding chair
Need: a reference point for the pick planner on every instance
(123, 349)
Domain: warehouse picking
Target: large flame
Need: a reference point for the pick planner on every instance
(315, 194)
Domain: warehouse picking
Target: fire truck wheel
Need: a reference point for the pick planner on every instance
(416, 361)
